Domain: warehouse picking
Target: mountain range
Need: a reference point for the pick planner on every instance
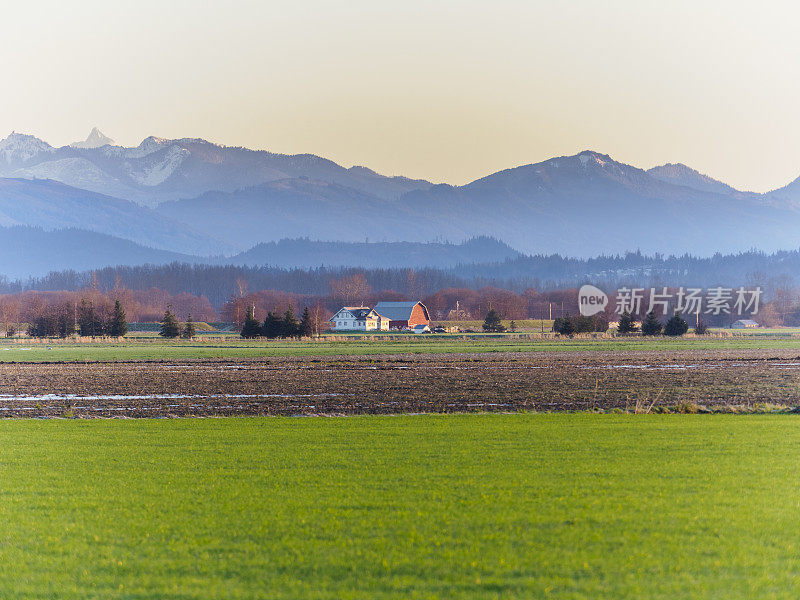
(158, 169)
(190, 197)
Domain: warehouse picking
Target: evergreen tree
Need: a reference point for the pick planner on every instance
(567, 326)
(305, 329)
(492, 322)
(676, 325)
(251, 328)
(170, 328)
(701, 328)
(89, 322)
(188, 329)
(626, 323)
(65, 321)
(558, 324)
(290, 326)
(272, 326)
(512, 326)
(651, 325)
(118, 325)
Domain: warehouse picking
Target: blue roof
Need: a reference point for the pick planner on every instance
(398, 311)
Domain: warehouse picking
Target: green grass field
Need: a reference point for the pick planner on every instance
(460, 506)
(137, 349)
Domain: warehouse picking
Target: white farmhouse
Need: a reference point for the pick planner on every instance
(358, 318)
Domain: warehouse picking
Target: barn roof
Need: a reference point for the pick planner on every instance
(358, 312)
(398, 311)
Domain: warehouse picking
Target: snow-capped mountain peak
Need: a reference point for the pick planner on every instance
(150, 144)
(96, 139)
(588, 156)
(19, 147)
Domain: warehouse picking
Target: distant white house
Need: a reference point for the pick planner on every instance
(744, 324)
(422, 328)
(358, 318)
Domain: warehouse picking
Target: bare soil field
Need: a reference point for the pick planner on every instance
(568, 381)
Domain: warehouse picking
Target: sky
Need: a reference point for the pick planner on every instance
(448, 91)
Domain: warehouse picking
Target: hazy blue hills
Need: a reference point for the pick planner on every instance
(292, 208)
(580, 205)
(53, 205)
(680, 174)
(33, 252)
(589, 204)
(302, 253)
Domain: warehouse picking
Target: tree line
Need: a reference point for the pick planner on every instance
(277, 326)
(675, 326)
(64, 320)
(540, 272)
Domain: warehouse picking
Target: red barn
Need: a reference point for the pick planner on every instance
(403, 315)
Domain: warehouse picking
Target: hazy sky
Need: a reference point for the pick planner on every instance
(448, 91)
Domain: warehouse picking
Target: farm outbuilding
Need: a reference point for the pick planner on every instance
(404, 315)
(744, 324)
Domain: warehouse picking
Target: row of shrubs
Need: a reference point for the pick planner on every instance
(64, 321)
(675, 326)
(275, 326)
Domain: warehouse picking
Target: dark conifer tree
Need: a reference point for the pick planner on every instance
(290, 325)
(118, 325)
(89, 322)
(65, 320)
(567, 326)
(305, 329)
(170, 328)
(626, 323)
(272, 326)
(492, 322)
(558, 324)
(188, 329)
(676, 326)
(251, 328)
(651, 325)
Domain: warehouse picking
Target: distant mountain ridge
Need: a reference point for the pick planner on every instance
(304, 253)
(53, 205)
(680, 174)
(29, 252)
(580, 205)
(159, 169)
(33, 252)
(200, 198)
